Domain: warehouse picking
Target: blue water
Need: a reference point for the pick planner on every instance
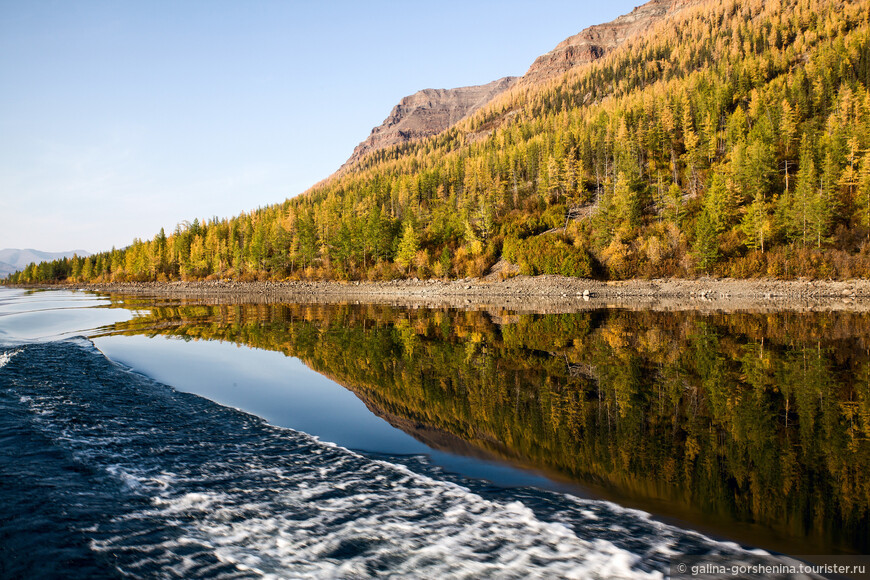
(105, 472)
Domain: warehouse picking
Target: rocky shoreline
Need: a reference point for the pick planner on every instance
(526, 293)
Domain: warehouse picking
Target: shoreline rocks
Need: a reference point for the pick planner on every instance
(527, 293)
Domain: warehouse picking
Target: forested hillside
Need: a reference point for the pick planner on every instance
(732, 139)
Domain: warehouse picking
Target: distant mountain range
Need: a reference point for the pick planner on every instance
(14, 259)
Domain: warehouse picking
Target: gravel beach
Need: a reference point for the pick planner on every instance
(526, 293)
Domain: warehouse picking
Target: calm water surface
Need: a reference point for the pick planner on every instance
(174, 438)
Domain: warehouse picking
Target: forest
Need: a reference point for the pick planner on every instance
(733, 140)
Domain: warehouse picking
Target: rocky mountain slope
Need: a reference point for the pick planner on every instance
(431, 111)
(428, 112)
(595, 41)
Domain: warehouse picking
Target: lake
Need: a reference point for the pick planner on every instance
(175, 437)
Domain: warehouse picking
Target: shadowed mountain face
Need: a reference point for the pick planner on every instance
(431, 111)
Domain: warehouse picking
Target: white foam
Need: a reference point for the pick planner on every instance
(6, 356)
(82, 341)
(188, 502)
(422, 527)
(129, 480)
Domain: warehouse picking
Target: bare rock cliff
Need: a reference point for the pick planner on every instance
(429, 112)
(596, 41)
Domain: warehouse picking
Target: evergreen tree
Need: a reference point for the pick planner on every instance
(408, 246)
(863, 193)
(706, 244)
(806, 213)
(718, 204)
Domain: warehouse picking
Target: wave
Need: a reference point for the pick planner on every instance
(189, 488)
(6, 356)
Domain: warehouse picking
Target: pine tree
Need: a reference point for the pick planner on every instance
(718, 204)
(806, 213)
(408, 246)
(87, 270)
(625, 208)
(706, 244)
(863, 193)
(674, 205)
(444, 263)
(755, 225)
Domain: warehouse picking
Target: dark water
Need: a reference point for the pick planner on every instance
(105, 472)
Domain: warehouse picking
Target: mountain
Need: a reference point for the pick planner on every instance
(428, 112)
(686, 138)
(6, 269)
(432, 111)
(596, 41)
(13, 259)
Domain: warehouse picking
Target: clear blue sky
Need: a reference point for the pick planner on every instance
(121, 117)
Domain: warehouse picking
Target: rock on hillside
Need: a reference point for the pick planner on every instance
(429, 112)
(595, 41)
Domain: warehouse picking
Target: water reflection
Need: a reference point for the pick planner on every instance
(39, 316)
(756, 425)
(281, 390)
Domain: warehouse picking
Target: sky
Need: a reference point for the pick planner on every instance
(120, 117)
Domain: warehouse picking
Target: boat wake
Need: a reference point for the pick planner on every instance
(106, 472)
